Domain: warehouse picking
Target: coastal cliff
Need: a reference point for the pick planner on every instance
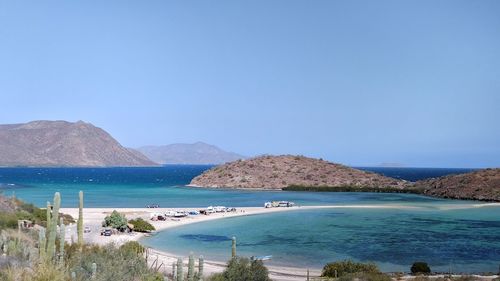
(478, 185)
(62, 143)
(278, 172)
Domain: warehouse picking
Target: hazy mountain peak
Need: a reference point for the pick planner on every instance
(184, 153)
(63, 143)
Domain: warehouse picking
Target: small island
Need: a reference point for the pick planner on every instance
(294, 172)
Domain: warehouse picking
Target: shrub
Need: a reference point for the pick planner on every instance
(115, 220)
(420, 267)
(132, 247)
(242, 269)
(8, 220)
(113, 263)
(365, 276)
(141, 225)
(347, 267)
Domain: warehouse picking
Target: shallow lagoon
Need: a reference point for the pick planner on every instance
(467, 240)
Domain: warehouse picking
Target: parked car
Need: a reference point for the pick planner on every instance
(106, 232)
(86, 230)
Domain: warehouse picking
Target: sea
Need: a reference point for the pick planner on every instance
(451, 235)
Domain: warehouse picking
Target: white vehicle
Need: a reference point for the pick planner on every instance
(268, 205)
(170, 213)
(210, 210)
(180, 214)
(220, 209)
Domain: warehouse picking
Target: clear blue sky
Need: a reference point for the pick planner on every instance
(355, 82)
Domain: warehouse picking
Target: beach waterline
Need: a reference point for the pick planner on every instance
(464, 237)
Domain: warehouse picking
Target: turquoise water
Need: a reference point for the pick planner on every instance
(137, 187)
(467, 240)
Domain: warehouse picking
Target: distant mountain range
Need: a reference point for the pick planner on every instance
(182, 153)
(62, 143)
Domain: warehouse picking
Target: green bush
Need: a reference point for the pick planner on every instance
(242, 269)
(8, 220)
(420, 267)
(365, 276)
(347, 267)
(115, 220)
(124, 263)
(132, 247)
(141, 225)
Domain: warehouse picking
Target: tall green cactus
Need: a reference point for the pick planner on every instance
(51, 241)
(173, 271)
(48, 215)
(94, 270)
(62, 238)
(180, 274)
(191, 267)
(42, 244)
(201, 262)
(80, 219)
(233, 247)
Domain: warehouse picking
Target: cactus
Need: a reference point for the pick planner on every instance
(173, 271)
(41, 244)
(201, 261)
(62, 238)
(191, 267)
(51, 241)
(180, 274)
(94, 270)
(80, 219)
(233, 247)
(48, 215)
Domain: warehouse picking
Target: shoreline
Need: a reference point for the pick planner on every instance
(93, 218)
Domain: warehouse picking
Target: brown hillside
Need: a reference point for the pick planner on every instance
(61, 143)
(478, 185)
(277, 172)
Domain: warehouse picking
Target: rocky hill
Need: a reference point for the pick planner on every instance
(61, 143)
(183, 153)
(277, 172)
(478, 185)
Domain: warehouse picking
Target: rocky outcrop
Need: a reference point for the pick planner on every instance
(477, 185)
(277, 172)
(61, 143)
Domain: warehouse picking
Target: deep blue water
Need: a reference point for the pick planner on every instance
(137, 187)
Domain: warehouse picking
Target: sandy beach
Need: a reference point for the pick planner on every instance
(93, 218)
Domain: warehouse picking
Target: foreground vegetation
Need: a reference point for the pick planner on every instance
(40, 252)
